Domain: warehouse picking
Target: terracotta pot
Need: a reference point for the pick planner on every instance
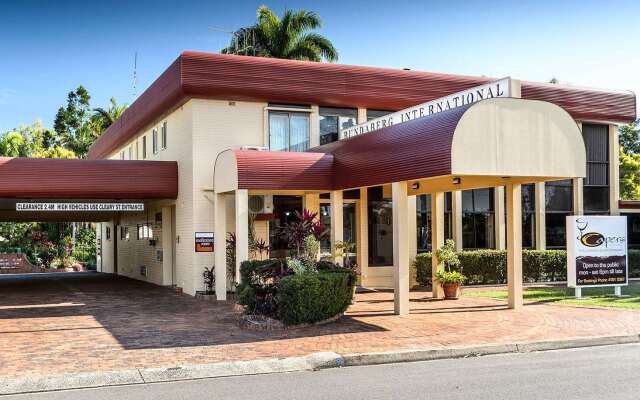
(451, 291)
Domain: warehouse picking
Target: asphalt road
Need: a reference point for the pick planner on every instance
(593, 373)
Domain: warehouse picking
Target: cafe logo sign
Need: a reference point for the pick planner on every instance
(499, 88)
(596, 251)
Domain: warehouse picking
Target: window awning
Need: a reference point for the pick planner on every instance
(483, 144)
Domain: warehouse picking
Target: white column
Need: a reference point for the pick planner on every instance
(514, 247)
(498, 202)
(242, 229)
(437, 239)
(311, 202)
(363, 236)
(412, 226)
(456, 218)
(337, 224)
(314, 121)
(167, 247)
(400, 202)
(220, 249)
(540, 215)
(578, 196)
(614, 170)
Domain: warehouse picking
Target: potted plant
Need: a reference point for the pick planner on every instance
(209, 278)
(449, 279)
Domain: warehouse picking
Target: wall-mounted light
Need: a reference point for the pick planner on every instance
(457, 180)
(415, 185)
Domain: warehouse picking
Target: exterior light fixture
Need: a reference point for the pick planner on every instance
(457, 180)
(415, 185)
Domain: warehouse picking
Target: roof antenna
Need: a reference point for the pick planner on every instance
(135, 73)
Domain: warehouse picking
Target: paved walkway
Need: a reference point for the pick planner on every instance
(92, 322)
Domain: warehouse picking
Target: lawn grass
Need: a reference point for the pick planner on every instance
(601, 297)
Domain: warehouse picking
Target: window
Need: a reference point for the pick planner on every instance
(288, 131)
(144, 147)
(137, 150)
(333, 120)
(633, 230)
(559, 204)
(145, 231)
(124, 233)
(164, 135)
(380, 228)
(423, 223)
(122, 155)
(154, 140)
(373, 114)
(348, 225)
(284, 209)
(131, 152)
(478, 219)
(528, 216)
(596, 184)
(107, 232)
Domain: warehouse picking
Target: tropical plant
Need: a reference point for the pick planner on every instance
(295, 232)
(209, 278)
(287, 37)
(110, 115)
(447, 255)
(446, 277)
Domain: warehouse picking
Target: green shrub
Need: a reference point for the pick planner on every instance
(490, 266)
(308, 298)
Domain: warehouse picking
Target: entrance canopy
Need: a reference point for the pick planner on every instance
(489, 143)
(25, 179)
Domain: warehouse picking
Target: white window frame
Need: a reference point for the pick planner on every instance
(144, 147)
(154, 140)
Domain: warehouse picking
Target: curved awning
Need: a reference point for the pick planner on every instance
(483, 144)
(48, 178)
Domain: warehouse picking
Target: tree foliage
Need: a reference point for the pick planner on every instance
(289, 37)
(630, 161)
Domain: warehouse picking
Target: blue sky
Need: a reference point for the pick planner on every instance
(48, 48)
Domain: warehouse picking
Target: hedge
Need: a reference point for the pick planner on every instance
(490, 266)
(269, 288)
(308, 298)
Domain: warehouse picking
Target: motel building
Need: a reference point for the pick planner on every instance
(395, 161)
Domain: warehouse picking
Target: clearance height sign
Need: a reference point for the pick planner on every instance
(596, 251)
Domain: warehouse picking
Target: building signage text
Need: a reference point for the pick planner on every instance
(80, 207)
(500, 88)
(204, 242)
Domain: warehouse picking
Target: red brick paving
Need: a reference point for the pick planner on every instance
(91, 322)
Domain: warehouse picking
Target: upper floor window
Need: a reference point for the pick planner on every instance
(163, 135)
(131, 152)
(122, 155)
(596, 184)
(154, 140)
(333, 120)
(144, 147)
(288, 131)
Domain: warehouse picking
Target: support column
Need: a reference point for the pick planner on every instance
(412, 226)
(540, 216)
(311, 202)
(167, 247)
(242, 229)
(614, 170)
(578, 196)
(400, 201)
(220, 245)
(437, 239)
(363, 235)
(337, 225)
(498, 203)
(456, 218)
(514, 245)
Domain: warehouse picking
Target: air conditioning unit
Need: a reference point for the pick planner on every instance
(262, 204)
(255, 148)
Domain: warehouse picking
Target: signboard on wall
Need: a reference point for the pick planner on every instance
(204, 242)
(78, 207)
(499, 88)
(596, 251)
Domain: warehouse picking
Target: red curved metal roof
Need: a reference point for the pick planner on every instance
(417, 149)
(229, 77)
(48, 178)
(284, 170)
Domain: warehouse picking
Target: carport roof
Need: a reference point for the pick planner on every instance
(46, 178)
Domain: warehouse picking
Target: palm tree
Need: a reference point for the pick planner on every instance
(286, 37)
(105, 118)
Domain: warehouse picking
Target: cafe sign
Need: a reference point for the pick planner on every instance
(596, 251)
(499, 88)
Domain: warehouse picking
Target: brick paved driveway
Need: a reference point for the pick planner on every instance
(89, 322)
